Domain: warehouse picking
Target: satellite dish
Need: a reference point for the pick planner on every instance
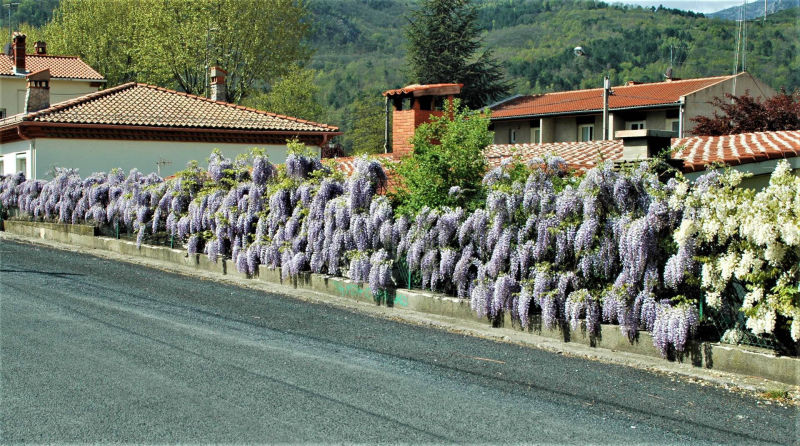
(579, 51)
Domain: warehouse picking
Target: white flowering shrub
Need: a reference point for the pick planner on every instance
(614, 246)
(736, 235)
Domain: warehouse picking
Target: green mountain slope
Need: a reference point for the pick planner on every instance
(360, 45)
(755, 9)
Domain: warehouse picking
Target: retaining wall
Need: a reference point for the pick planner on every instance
(738, 359)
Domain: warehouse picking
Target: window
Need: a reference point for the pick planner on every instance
(586, 132)
(636, 125)
(673, 125)
(537, 135)
(2, 113)
(22, 164)
(512, 136)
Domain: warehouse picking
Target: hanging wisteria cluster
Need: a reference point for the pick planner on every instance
(594, 248)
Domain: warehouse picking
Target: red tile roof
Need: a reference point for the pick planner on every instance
(579, 155)
(696, 152)
(347, 164)
(639, 95)
(135, 104)
(64, 67)
(744, 148)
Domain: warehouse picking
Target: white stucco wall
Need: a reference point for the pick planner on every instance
(91, 155)
(10, 152)
(13, 90)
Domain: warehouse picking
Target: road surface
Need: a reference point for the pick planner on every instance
(94, 350)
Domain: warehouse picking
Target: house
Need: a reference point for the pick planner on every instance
(141, 126)
(571, 116)
(754, 153)
(70, 77)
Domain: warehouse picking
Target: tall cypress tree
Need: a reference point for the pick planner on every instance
(444, 45)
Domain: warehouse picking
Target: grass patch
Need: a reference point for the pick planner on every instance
(776, 394)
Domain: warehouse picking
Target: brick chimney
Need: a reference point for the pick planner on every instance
(38, 94)
(40, 47)
(18, 45)
(421, 105)
(217, 75)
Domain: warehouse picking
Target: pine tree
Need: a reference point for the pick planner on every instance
(444, 45)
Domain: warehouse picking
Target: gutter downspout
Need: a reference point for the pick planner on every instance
(606, 92)
(386, 126)
(680, 116)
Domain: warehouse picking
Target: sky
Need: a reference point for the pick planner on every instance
(704, 6)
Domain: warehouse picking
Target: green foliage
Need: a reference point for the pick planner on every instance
(448, 152)
(368, 119)
(360, 45)
(34, 13)
(295, 94)
(170, 42)
(444, 45)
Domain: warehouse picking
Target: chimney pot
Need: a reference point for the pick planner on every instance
(217, 76)
(18, 42)
(41, 47)
(38, 95)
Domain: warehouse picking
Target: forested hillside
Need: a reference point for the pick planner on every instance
(359, 46)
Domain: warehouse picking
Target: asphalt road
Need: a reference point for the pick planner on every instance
(94, 350)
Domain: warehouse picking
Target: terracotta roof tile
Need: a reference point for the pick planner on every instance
(639, 95)
(578, 155)
(148, 105)
(66, 67)
(699, 151)
(347, 165)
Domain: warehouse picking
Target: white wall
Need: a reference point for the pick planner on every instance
(92, 155)
(13, 90)
(9, 152)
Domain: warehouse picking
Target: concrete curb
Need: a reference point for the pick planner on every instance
(748, 361)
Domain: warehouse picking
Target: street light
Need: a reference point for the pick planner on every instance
(580, 52)
(9, 5)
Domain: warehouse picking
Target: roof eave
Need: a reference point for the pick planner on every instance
(586, 112)
(115, 131)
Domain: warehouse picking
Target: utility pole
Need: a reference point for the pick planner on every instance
(10, 28)
(386, 126)
(606, 93)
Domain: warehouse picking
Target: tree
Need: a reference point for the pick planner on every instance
(368, 124)
(444, 45)
(295, 94)
(448, 154)
(745, 114)
(171, 42)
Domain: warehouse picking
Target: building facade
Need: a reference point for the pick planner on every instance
(70, 77)
(142, 126)
(577, 116)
